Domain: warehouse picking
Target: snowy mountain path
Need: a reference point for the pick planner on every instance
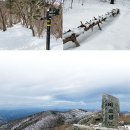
(20, 38)
(114, 34)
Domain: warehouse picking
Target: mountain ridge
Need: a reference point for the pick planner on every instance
(48, 120)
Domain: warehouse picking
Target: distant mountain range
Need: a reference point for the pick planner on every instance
(37, 119)
(48, 120)
(125, 112)
(8, 115)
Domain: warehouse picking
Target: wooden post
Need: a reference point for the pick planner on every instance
(72, 38)
(99, 26)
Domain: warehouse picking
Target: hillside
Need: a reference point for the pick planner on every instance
(56, 120)
(49, 120)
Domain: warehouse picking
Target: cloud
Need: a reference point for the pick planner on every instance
(60, 79)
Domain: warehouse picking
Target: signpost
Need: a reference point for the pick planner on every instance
(48, 30)
(50, 13)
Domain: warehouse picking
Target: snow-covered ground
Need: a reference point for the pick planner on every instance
(115, 32)
(97, 127)
(20, 38)
(128, 126)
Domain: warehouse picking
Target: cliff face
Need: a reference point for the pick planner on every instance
(47, 120)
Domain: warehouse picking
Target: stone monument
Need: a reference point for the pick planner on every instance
(110, 111)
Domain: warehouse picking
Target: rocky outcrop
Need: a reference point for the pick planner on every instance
(91, 119)
(93, 122)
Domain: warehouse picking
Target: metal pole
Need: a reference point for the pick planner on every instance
(48, 30)
(112, 2)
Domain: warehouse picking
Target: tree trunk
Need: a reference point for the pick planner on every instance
(71, 4)
(10, 14)
(33, 32)
(3, 20)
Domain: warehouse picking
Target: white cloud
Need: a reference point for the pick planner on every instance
(65, 78)
(44, 98)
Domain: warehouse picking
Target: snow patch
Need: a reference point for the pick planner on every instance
(20, 38)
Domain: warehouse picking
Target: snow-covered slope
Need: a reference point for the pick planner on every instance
(128, 126)
(47, 120)
(115, 32)
(20, 38)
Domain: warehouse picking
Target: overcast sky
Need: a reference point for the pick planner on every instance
(64, 80)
